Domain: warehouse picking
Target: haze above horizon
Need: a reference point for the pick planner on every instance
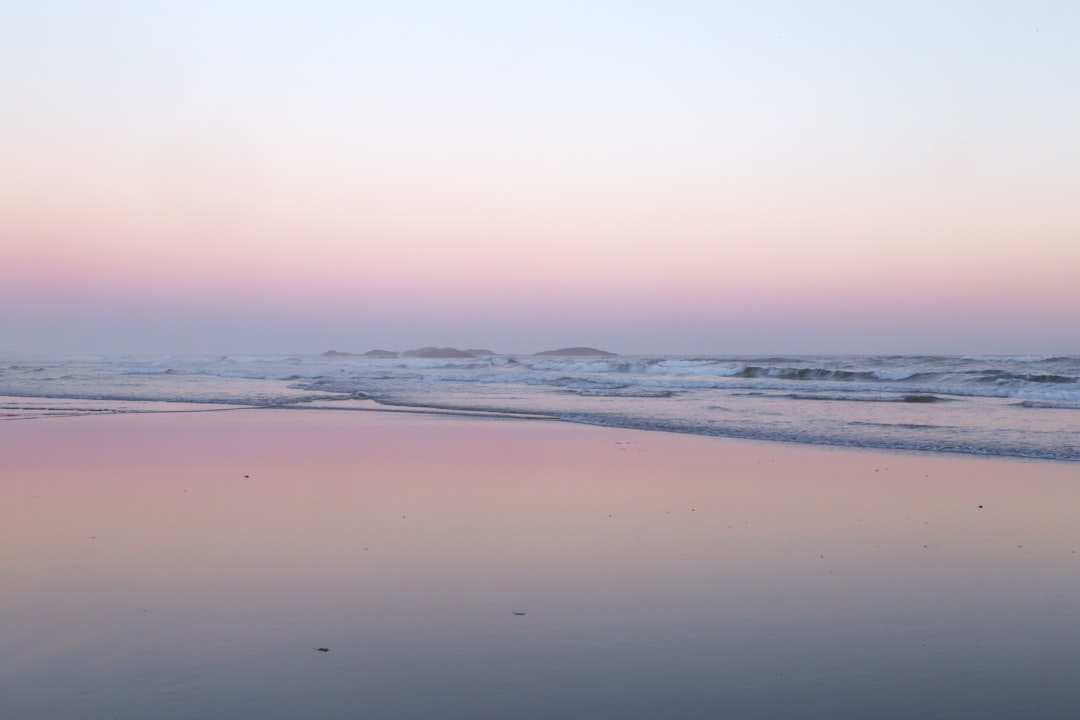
(713, 178)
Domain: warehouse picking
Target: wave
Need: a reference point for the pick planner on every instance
(825, 373)
(876, 398)
(735, 396)
(246, 401)
(907, 442)
(1015, 358)
(721, 369)
(624, 393)
(1047, 379)
(146, 371)
(1047, 405)
(905, 426)
(1000, 376)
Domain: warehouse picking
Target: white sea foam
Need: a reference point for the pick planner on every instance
(893, 374)
(998, 404)
(1011, 358)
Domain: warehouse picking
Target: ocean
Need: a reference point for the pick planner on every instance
(1020, 406)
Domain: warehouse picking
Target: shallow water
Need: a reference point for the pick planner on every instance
(1008, 406)
(190, 565)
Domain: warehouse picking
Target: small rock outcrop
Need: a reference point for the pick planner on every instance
(381, 354)
(437, 352)
(576, 352)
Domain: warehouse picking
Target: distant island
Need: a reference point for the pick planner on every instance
(338, 353)
(381, 354)
(435, 352)
(577, 352)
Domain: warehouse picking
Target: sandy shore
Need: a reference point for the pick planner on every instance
(191, 565)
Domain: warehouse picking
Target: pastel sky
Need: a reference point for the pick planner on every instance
(728, 177)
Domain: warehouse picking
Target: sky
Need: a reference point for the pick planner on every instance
(645, 177)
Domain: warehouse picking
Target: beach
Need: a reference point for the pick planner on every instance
(539, 361)
(282, 563)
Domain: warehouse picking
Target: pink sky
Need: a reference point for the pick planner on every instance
(273, 188)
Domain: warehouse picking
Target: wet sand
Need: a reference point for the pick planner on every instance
(193, 564)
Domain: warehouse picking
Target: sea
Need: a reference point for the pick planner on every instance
(1015, 406)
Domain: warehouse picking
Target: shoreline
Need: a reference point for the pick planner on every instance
(375, 406)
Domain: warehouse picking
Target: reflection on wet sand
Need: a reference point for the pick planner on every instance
(194, 565)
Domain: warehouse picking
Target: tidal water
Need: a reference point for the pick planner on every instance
(1021, 406)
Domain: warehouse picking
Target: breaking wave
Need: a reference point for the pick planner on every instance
(978, 404)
